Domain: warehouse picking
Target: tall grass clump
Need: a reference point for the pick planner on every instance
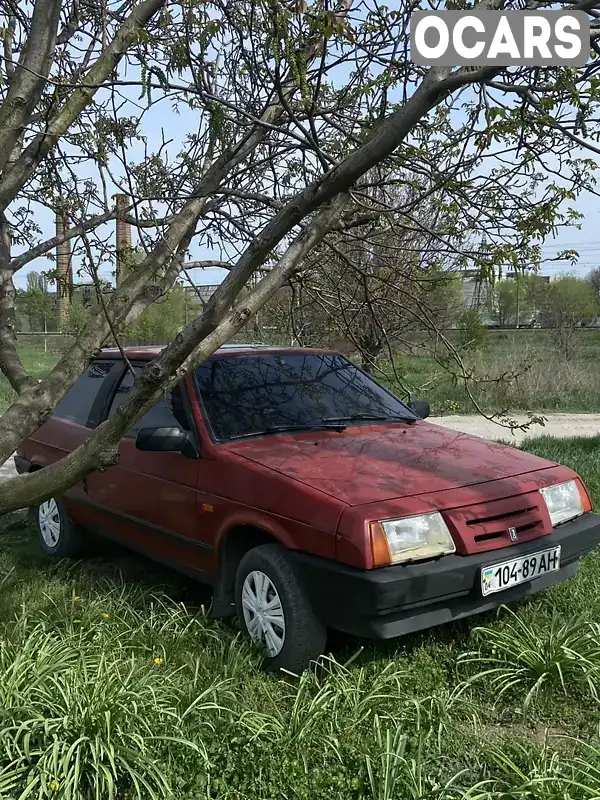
(552, 655)
(82, 720)
(522, 770)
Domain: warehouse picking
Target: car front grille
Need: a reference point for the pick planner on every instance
(486, 526)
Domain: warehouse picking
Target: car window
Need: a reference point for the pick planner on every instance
(77, 404)
(246, 395)
(167, 413)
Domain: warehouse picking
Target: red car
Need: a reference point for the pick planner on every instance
(311, 498)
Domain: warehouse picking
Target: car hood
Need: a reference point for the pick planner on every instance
(370, 464)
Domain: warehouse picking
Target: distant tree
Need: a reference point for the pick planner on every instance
(78, 316)
(514, 300)
(161, 322)
(504, 302)
(566, 304)
(473, 332)
(593, 278)
(37, 282)
(35, 303)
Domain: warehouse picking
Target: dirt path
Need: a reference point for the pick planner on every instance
(560, 425)
(556, 425)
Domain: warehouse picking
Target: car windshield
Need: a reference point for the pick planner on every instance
(269, 393)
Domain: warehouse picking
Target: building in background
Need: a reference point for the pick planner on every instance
(475, 290)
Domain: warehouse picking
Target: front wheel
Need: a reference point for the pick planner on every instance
(58, 535)
(274, 611)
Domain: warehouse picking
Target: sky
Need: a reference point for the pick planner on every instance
(586, 241)
(162, 121)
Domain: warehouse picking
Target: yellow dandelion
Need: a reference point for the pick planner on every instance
(76, 597)
(158, 660)
(105, 615)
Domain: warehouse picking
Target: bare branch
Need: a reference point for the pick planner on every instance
(21, 170)
(28, 80)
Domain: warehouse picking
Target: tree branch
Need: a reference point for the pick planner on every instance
(50, 244)
(10, 362)
(30, 76)
(77, 230)
(100, 449)
(77, 101)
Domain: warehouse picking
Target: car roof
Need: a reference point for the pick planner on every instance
(148, 352)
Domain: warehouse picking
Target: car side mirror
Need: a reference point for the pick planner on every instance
(166, 440)
(421, 408)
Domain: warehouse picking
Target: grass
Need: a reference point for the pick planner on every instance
(115, 684)
(515, 371)
(36, 362)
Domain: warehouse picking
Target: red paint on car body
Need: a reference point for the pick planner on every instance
(315, 491)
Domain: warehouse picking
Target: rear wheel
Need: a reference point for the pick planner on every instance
(58, 535)
(274, 611)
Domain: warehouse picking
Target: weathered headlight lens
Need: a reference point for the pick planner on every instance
(417, 538)
(563, 501)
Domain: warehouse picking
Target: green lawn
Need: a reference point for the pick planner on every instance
(112, 679)
(515, 371)
(36, 362)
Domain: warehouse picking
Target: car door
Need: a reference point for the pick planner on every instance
(149, 499)
(70, 425)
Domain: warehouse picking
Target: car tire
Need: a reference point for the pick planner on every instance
(59, 536)
(266, 577)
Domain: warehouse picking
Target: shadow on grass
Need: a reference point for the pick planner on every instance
(27, 576)
(22, 561)
(26, 571)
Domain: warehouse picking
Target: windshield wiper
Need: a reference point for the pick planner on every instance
(369, 418)
(326, 425)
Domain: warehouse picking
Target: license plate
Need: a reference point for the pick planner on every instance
(502, 576)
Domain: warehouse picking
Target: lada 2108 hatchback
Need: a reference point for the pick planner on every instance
(311, 498)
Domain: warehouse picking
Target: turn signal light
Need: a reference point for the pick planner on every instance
(586, 503)
(380, 551)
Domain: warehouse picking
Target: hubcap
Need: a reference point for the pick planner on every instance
(49, 520)
(263, 612)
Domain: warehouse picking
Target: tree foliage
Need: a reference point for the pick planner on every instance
(161, 322)
(262, 133)
(593, 278)
(36, 304)
(566, 304)
(515, 301)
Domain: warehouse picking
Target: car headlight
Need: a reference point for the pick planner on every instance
(565, 501)
(410, 539)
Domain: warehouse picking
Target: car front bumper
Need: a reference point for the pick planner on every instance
(393, 601)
